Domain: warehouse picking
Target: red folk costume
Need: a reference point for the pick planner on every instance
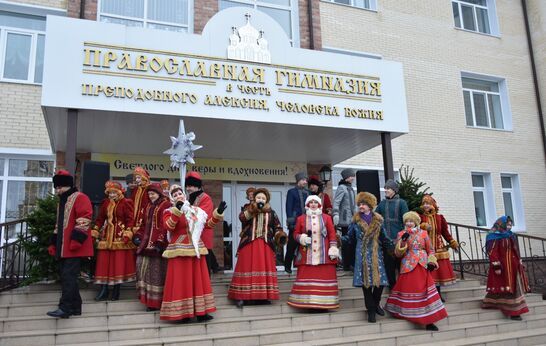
(316, 281)
(414, 296)
(187, 292)
(139, 195)
(436, 226)
(255, 276)
(152, 240)
(325, 201)
(506, 282)
(114, 231)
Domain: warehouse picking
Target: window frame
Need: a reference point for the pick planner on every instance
(517, 204)
(292, 8)
(488, 198)
(491, 9)
(373, 5)
(506, 112)
(145, 21)
(4, 32)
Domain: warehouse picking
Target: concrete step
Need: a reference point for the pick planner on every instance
(123, 325)
(390, 332)
(530, 331)
(355, 300)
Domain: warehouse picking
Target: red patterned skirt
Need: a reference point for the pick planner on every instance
(444, 275)
(187, 292)
(255, 276)
(511, 304)
(150, 280)
(115, 267)
(415, 298)
(315, 287)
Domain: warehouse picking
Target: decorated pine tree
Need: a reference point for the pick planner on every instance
(41, 223)
(411, 189)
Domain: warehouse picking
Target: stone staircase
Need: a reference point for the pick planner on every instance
(125, 322)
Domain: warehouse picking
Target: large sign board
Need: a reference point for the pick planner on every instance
(242, 67)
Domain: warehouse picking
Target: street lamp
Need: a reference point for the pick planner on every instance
(325, 174)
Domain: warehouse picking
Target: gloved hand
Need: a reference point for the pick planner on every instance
(336, 219)
(431, 267)
(405, 236)
(137, 241)
(305, 240)
(221, 207)
(74, 245)
(333, 252)
(179, 205)
(52, 250)
(308, 241)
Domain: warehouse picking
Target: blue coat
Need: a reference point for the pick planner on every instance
(294, 205)
(355, 235)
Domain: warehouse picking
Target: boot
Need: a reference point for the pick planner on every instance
(431, 327)
(240, 304)
(204, 318)
(371, 316)
(115, 293)
(440, 293)
(103, 293)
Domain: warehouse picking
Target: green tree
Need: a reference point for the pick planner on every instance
(411, 189)
(41, 223)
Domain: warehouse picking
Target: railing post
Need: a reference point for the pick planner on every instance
(459, 252)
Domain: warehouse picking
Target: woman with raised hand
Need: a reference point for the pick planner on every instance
(255, 276)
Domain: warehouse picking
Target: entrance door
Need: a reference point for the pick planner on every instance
(236, 193)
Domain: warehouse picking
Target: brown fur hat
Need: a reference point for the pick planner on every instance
(265, 192)
(366, 198)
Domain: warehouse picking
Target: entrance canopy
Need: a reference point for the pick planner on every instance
(240, 86)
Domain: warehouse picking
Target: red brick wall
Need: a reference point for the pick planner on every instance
(90, 11)
(305, 39)
(203, 11)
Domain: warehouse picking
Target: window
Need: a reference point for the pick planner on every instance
(283, 11)
(486, 102)
(22, 38)
(367, 4)
(22, 183)
(173, 15)
(475, 15)
(483, 207)
(511, 198)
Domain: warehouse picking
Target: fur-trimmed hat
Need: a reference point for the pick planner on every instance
(251, 189)
(393, 185)
(173, 189)
(194, 179)
(367, 198)
(412, 216)
(265, 192)
(427, 198)
(313, 179)
(63, 178)
(113, 186)
(155, 187)
(142, 173)
(313, 198)
(300, 176)
(348, 172)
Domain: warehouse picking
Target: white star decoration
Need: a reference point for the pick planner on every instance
(182, 150)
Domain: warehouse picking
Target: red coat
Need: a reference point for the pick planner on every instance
(320, 243)
(504, 255)
(438, 230)
(152, 232)
(140, 199)
(77, 216)
(204, 202)
(326, 203)
(114, 222)
(180, 244)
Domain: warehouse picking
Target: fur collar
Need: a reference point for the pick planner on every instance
(374, 226)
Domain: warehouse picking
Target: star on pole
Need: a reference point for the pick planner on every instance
(182, 151)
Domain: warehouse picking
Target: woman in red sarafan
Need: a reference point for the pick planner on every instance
(506, 281)
(187, 292)
(255, 276)
(151, 240)
(436, 226)
(316, 281)
(114, 231)
(414, 296)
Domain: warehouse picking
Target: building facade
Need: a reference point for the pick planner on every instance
(474, 133)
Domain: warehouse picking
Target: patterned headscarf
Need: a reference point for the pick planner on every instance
(498, 231)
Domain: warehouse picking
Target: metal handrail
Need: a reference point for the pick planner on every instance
(14, 264)
(473, 259)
